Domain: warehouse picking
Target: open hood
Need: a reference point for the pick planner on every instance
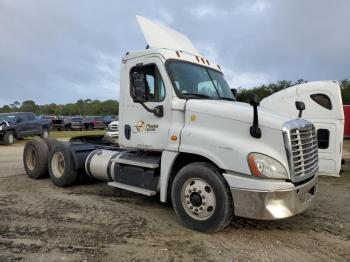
(160, 36)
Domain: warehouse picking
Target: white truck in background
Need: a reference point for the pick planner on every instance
(183, 137)
(324, 108)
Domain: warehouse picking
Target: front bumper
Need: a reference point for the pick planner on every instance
(276, 204)
(114, 134)
(77, 127)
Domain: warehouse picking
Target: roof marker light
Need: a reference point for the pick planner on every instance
(208, 62)
(197, 59)
(178, 53)
(219, 67)
(203, 60)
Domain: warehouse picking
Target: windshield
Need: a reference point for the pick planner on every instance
(193, 80)
(8, 118)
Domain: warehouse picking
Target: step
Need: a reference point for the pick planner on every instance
(142, 160)
(133, 189)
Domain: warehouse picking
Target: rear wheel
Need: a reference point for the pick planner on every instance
(35, 160)
(44, 133)
(9, 138)
(201, 198)
(61, 166)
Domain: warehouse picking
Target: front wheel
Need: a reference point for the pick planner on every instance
(9, 138)
(201, 198)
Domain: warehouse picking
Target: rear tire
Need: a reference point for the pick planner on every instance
(35, 158)
(61, 166)
(51, 142)
(44, 133)
(201, 198)
(9, 138)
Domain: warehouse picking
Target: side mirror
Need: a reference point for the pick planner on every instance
(234, 92)
(300, 106)
(19, 120)
(254, 100)
(139, 89)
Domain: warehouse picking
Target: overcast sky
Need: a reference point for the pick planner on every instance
(63, 50)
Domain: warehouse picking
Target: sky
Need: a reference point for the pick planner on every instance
(59, 51)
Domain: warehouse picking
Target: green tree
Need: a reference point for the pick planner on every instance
(29, 106)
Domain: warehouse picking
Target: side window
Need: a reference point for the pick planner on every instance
(22, 116)
(30, 116)
(156, 86)
(323, 100)
(323, 138)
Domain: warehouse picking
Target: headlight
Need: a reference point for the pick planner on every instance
(265, 166)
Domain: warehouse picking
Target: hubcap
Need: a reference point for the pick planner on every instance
(198, 198)
(46, 134)
(31, 159)
(58, 164)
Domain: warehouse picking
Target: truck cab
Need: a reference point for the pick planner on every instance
(200, 119)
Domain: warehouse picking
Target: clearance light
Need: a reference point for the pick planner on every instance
(178, 53)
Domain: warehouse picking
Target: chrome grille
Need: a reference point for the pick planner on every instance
(302, 151)
(114, 127)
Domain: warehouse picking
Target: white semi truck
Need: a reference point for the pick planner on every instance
(183, 137)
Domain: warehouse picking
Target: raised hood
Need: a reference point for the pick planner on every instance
(238, 111)
(160, 36)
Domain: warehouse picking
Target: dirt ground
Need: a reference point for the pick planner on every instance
(41, 222)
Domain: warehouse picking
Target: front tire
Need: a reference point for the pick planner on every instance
(61, 166)
(201, 198)
(9, 138)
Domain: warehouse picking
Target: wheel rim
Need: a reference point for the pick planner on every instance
(45, 134)
(58, 164)
(31, 159)
(198, 199)
(11, 138)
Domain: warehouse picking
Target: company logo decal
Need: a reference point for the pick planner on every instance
(142, 127)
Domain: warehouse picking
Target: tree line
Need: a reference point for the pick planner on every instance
(82, 107)
(111, 107)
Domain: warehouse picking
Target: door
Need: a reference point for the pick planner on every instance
(34, 127)
(22, 128)
(139, 128)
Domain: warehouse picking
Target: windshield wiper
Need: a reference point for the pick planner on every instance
(197, 95)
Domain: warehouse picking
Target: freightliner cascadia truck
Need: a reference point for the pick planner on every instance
(184, 138)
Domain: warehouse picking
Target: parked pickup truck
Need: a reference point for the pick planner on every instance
(19, 125)
(184, 138)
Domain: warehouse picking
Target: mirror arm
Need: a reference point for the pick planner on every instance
(255, 130)
(157, 111)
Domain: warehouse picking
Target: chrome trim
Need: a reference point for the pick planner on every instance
(133, 188)
(272, 205)
(304, 163)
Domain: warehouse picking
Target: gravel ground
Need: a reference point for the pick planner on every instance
(41, 222)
